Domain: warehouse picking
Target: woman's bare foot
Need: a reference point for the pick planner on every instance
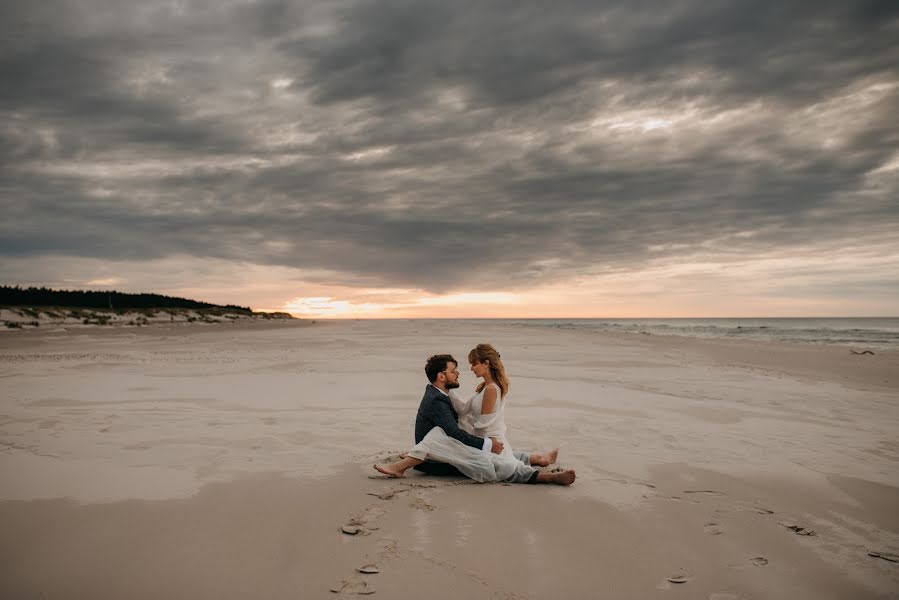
(558, 477)
(544, 460)
(390, 470)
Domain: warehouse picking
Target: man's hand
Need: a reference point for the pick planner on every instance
(497, 446)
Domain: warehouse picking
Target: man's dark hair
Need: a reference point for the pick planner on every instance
(436, 364)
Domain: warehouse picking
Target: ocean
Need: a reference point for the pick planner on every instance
(861, 332)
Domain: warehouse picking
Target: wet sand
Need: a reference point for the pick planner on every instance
(221, 462)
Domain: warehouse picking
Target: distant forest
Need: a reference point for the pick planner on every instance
(16, 296)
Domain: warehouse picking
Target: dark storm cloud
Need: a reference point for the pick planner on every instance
(445, 144)
(514, 53)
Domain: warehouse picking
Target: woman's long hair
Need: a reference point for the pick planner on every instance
(487, 353)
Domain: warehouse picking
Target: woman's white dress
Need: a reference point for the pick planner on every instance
(474, 462)
(472, 419)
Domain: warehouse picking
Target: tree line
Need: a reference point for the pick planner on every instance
(110, 300)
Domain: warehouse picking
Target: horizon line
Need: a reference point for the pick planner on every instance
(348, 318)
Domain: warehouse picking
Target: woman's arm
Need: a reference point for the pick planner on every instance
(488, 407)
(488, 410)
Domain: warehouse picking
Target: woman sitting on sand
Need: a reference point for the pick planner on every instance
(482, 415)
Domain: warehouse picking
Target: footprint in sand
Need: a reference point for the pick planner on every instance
(358, 527)
(709, 492)
(421, 504)
(712, 528)
(364, 522)
(884, 555)
(368, 569)
(362, 581)
(624, 481)
(353, 530)
(679, 578)
(759, 561)
(755, 509)
(797, 529)
(354, 586)
(384, 495)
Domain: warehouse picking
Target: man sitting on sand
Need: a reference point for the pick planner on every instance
(444, 448)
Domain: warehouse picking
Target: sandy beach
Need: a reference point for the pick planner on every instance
(222, 461)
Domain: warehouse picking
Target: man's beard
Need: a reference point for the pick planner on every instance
(451, 385)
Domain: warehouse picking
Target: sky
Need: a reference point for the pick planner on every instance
(427, 158)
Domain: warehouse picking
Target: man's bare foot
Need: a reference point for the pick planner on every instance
(559, 477)
(544, 460)
(389, 470)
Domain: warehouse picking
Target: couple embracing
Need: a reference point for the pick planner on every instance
(468, 437)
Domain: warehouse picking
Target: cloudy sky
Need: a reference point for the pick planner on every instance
(437, 158)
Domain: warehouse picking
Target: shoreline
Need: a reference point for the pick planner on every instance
(808, 361)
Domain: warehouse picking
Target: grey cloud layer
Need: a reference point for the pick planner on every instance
(446, 144)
